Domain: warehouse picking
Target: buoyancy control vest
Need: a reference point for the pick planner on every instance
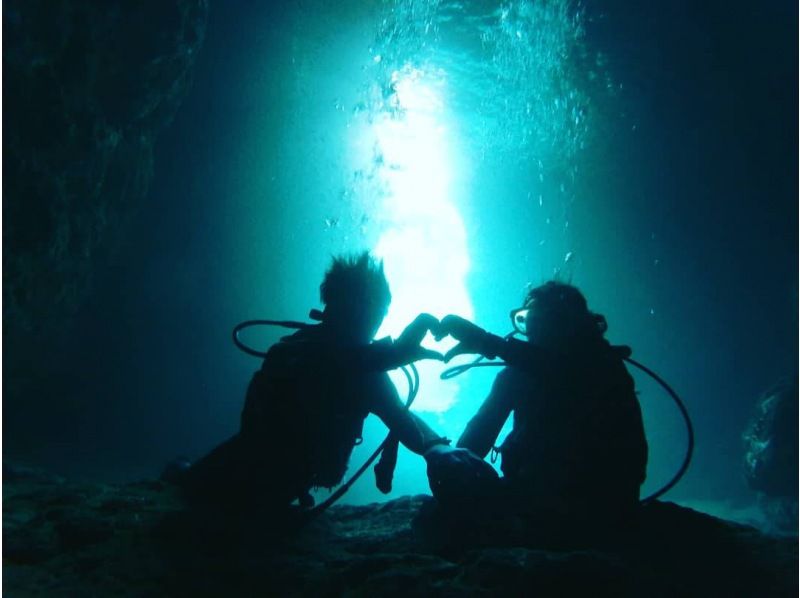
(308, 415)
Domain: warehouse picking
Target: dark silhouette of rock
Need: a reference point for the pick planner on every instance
(771, 455)
(62, 538)
(87, 87)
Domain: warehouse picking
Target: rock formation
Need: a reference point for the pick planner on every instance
(62, 538)
(87, 87)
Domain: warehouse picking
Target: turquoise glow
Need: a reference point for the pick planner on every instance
(422, 135)
(423, 241)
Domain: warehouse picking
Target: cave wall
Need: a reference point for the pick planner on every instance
(87, 87)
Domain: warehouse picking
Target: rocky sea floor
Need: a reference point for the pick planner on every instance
(63, 538)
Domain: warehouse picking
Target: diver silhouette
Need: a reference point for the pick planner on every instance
(577, 453)
(305, 408)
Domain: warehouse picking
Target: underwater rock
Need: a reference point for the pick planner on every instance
(771, 462)
(771, 442)
(64, 538)
(88, 86)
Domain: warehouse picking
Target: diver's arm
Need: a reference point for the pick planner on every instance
(474, 339)
(379, 356)
(482, 430)
(383, 355)
(407, 427)
(523, 355)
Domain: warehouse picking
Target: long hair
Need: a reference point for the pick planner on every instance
(566, 301)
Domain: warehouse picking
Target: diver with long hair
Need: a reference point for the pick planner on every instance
(577, 454)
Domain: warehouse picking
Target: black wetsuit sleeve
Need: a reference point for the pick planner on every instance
(522, 355)
(482, 430)
(378, 356)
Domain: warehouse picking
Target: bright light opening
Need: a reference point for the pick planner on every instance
(423, 241)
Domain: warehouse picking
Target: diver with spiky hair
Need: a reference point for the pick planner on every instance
(305, 408)
(577, 454)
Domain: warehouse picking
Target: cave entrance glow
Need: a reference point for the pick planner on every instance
(422, 240)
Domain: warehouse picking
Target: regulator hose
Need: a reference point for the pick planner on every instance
(249, 323)
(689, 431)
(457, 370)
(460, 369)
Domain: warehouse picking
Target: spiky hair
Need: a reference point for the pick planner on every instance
(355, 277)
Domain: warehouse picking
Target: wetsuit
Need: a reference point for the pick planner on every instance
(577, 441)
(303, 414)
(577, 453)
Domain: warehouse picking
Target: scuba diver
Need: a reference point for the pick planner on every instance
(577, 454)
(305, 408)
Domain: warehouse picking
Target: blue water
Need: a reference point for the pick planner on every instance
(646, 152)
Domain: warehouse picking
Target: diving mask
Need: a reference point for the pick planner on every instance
(519, 319)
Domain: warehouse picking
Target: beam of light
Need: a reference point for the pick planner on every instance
(423, 241)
